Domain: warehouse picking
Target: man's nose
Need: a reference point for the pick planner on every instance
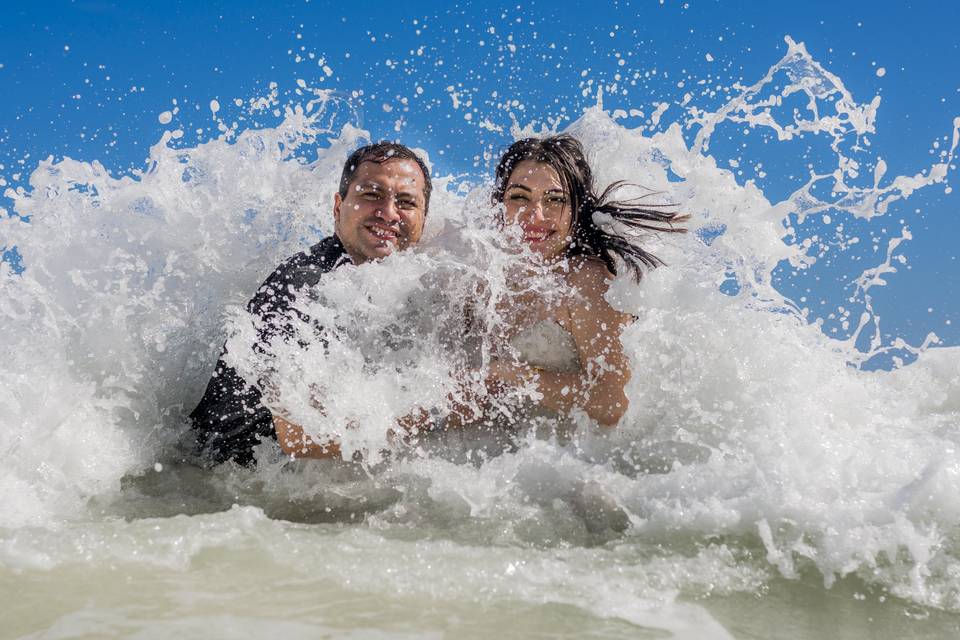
(389, 212)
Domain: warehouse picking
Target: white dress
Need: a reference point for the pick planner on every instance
(544, 345)
(548, 346)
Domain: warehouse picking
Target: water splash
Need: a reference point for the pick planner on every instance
(746, 421)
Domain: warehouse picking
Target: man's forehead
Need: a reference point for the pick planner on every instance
(401, 171)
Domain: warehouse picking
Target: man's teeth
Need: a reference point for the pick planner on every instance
(382, 233)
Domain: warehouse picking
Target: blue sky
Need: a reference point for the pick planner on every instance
(88, 79)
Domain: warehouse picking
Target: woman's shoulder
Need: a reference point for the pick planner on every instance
(589, 309)
(588, 274)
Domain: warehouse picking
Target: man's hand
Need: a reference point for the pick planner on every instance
(297, 444)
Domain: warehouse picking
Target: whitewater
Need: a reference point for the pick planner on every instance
(765, 482)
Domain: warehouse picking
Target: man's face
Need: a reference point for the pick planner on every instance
(383, 210)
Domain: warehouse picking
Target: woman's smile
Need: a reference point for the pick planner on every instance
(535, 234)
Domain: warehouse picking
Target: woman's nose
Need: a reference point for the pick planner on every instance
(535, 211)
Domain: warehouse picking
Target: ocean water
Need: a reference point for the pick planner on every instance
(767, 481)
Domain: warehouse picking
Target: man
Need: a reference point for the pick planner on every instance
(380, 208)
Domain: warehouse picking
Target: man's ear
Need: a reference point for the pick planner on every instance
(337, 201)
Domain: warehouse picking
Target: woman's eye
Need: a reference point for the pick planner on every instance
(519, 197)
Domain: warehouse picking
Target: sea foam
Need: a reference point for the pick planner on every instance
(747, 423)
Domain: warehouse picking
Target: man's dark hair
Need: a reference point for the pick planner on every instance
(381, 152)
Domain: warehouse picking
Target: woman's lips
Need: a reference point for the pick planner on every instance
(536, 234)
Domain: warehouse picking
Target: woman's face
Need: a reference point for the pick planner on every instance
(536, 202)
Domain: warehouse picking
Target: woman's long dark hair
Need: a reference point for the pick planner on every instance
(565, 154)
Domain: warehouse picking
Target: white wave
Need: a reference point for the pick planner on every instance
(745, 420)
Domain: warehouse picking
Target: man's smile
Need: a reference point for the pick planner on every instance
(381, 232)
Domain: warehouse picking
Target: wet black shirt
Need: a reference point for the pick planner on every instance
(230, 420)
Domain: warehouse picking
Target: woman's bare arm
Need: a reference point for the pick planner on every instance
(596, 328)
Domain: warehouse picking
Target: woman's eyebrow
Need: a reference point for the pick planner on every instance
(517, 185)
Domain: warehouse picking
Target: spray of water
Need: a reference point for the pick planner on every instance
(747, 426)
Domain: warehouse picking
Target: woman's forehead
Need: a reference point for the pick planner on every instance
(531, 173)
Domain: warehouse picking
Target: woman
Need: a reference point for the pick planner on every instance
(546, 190)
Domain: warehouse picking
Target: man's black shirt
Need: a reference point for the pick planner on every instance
(230, 420)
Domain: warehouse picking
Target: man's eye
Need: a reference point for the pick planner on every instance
(370, 195)
(406, 204)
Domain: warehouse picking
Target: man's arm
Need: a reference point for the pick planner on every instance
(229, 420)
(297, 444)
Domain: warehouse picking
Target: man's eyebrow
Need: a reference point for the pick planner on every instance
(411, 192)
(400, 192)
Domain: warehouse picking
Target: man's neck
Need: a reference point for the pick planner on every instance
(347, 255)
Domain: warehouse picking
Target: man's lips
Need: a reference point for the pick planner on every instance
(381, 232)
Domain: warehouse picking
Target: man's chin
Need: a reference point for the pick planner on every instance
(379, 252)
